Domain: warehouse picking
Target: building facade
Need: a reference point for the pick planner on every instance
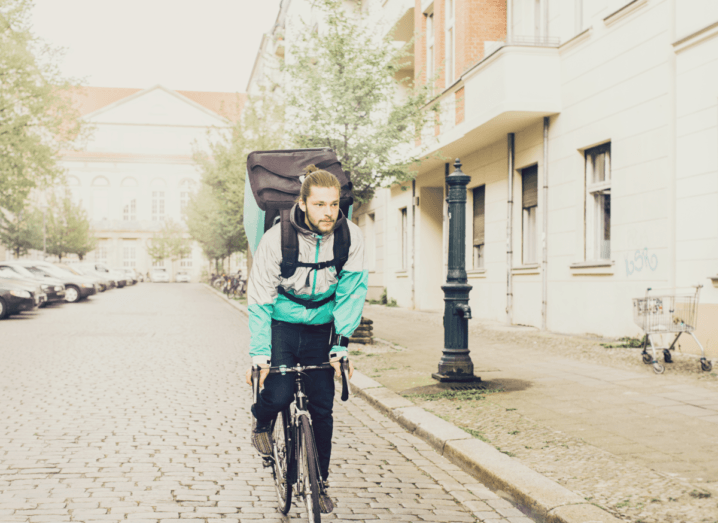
(589, 131)
(137, 172)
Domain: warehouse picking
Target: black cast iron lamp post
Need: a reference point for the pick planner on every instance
(455, 363)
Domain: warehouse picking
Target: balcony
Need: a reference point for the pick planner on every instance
(512, 88)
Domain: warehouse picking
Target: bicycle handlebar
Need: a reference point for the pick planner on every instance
(344, 364)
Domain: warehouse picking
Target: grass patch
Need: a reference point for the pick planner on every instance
(700, 494)
(475, 433)
(624, 343)
(452, 395)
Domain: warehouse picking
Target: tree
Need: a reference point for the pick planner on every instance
(215, 214)
(170, 242)
(68, 228)
(37, 117)
(341, 92)
(21, 231)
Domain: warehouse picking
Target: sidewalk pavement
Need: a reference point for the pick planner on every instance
(570, 430)
(597, 422)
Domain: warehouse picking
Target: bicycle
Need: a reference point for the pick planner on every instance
(294, 461)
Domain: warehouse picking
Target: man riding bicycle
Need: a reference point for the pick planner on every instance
(308, 317)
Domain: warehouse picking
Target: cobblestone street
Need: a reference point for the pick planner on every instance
(132, 406)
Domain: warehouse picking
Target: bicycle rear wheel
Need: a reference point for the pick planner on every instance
(281, 462)
(309, 474)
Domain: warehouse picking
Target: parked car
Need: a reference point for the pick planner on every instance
(182, 276)
(120, 277)
(129, 273)
(159, 274)
(13, 299)
(76, 287)
(52, 287)
(103, 281)
(30, 285)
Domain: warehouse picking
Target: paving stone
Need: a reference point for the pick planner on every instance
(131, 406)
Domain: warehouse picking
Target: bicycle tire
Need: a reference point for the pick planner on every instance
(309, 473)
(281, 462)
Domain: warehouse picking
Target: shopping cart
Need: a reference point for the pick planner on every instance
(667, 313)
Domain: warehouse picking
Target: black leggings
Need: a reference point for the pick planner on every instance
(294, 343)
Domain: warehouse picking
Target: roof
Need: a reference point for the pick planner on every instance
(91, 99)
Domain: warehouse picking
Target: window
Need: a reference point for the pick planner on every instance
(429, 46)
(158, 263)
(479, 221)
(186, 260)
(450, 41)
(129, 253)
(404, 239)
(101, 251)
(158, 206)
(370, 242)
(598, 203)
(129, 206)
(529, 205)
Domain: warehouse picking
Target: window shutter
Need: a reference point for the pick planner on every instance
(479, 221)
(529, 187)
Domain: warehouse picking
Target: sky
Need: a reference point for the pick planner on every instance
(186, 45)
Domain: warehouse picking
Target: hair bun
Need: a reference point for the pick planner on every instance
(309, 169)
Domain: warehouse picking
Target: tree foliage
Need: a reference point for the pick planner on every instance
(21, 231)
(215, 213)
(170, 242)
(68, 228)
(37, 116)
(341, 88)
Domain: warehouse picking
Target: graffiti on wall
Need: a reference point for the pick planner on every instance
(640, 261)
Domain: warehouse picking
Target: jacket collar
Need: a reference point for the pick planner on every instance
(296, 218)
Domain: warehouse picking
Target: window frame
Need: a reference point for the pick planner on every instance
(478, 249)
(158, 205)
(430, 43)
(529, 221)
(594, 212)
(450, 40)
(404, 239)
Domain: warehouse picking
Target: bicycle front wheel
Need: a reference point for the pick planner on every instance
(309, 475)
(281, 462)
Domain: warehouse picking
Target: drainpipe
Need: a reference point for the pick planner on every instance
(672, 153)
(509, 20)
(413, 244)
(544, 231)
(509, 233)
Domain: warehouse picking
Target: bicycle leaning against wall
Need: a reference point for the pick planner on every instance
(294, 461)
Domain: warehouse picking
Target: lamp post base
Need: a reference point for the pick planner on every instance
(455, 378)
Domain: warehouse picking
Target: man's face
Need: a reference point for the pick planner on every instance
(321, 209)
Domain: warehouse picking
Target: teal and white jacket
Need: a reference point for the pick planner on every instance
(266, 304)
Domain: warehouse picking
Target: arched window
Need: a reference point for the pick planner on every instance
(129, 199)
(186, 189)
(73, 181)
(158, 200)
(100, 199)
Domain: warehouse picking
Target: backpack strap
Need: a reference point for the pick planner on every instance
(290, 245)
(342, 242)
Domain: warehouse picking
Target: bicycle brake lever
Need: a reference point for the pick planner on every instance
(346, 389)
(255, 383)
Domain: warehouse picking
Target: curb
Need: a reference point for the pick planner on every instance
(234, 303)
(543, 497)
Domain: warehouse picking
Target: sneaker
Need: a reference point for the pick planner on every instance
(262, 437)
(325, 502)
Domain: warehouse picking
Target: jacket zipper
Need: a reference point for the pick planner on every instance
(316, 260)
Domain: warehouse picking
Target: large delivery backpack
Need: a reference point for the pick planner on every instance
(272, 186)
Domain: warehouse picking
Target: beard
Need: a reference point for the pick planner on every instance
(323, 227)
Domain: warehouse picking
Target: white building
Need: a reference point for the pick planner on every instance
(137, 169)
(589, 130)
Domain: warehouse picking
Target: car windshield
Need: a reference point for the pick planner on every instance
(73, 270)
(159, 270)
(8, 273)
(51, 270)
(22, 271)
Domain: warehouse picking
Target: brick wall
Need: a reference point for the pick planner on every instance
(477, 21)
